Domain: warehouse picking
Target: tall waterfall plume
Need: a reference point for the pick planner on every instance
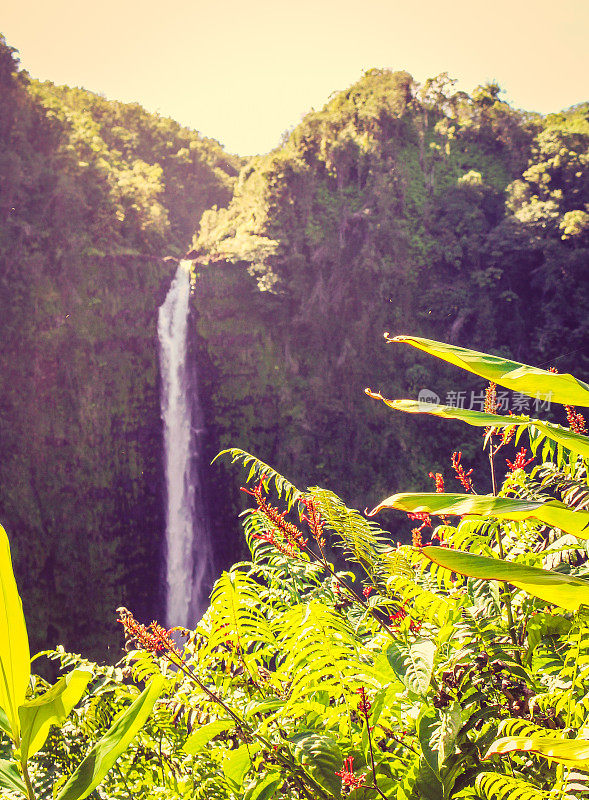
(188, 541)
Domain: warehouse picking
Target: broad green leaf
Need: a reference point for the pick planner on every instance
(450, 724)
(15, 659)
(105, 752)
(575, 442)
(51, 708)
(551, 512)
(413, 663)
(200, 738)
(572, 752)
(321, 757)
(10, 778)
(265, 788)
(535, 382)
(237, 762)
(555, 588)
(426, 725)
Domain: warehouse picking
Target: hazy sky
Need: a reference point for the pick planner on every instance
(244, 71)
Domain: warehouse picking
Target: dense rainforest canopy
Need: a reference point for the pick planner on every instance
(398, 207)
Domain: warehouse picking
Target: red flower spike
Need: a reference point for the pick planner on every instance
(313, 519)
(349, 780)
(364, 706)
(576, 420)
(439, 480)
(152, 638)
(461, 475)
(520, 460)
(426, 521)
(283, 535)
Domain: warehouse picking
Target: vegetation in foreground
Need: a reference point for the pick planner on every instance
(333, 665)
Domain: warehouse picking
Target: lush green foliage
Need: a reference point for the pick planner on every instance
(334, 664)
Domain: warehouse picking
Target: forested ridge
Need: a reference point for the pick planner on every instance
(398, 207)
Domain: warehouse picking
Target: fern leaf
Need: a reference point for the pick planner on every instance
(258, 469)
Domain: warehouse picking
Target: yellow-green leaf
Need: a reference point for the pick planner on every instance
(572, 752)
(550, 512)
(556, 588)
(115, 741)
(563, 436)
(535, 382)
(51, 708)
(10, 778)
(200, 738)
(15, 659)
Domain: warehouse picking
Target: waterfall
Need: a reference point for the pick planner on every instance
(188, 541)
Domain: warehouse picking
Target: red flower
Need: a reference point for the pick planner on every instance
(439, 479)
(349, 780)
(520, 460)
(461, 475)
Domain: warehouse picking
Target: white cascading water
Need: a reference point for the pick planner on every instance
(188, 543)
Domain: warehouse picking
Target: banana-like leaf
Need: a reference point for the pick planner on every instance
(15, 659)
(572, 752)
(551, 512)
(105, 752)
(563, 436)
(535, 382)
(10, 778)
(51, 708)
(556, 588)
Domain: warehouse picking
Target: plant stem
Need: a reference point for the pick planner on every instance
(506, 592)
(27, 780)
(365, 712)
(565, 771)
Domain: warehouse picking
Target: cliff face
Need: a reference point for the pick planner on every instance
(398, 208)
(94, 195)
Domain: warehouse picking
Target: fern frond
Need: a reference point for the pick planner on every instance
(258, 469)
(423, 603)
(495, 786)
(321, 652)
(363, 541)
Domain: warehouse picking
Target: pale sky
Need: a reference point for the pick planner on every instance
(244, 71)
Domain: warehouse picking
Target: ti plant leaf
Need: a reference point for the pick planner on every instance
(51, 708)
(105, 752)
(551, 512)
(575, 442)
(571, 752)
(558, 589)
(535, 382)
(15, 659)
